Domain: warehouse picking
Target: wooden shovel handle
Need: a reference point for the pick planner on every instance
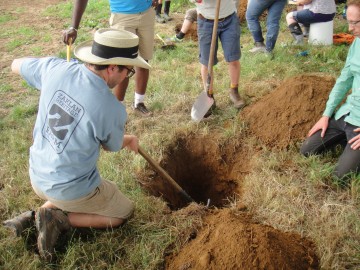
(164, 174)
(210, 79)
(68, 50)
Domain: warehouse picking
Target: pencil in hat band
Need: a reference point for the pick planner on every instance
(108, 52)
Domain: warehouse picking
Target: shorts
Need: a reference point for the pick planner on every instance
(307, 17)
(191, 15)
(142, 24)
(105, 200)
(228, 33)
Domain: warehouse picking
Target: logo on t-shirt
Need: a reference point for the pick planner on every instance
(63, 115)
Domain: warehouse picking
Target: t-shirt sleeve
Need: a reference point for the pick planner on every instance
(33, 70)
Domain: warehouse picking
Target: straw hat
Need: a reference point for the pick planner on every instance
(111, 46)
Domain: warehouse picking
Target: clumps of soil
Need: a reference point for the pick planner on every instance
(231, 240)
(285, 115)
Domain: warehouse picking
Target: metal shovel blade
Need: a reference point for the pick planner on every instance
(201, 106)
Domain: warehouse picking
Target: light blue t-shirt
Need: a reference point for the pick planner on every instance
(77, 113)
(129, 6)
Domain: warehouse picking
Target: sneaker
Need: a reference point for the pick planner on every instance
(20, 223)
(259, 47)
(160, 19)
(141, 110)
(167, 17)
(50, 223)
(174, 39)
(236, 99)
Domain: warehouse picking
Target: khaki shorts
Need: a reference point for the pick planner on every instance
(141, 24)
(105, 200)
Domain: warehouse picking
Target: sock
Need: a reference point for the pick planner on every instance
(139, 99)
(167, 7)
(158, 9)
(180, 35)
(234, 86)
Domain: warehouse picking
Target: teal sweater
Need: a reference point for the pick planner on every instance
(349, 80)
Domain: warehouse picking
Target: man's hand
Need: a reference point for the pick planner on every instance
(322, 124)
(131, 142)
(355, 142)
(155, 3)
(69, 33)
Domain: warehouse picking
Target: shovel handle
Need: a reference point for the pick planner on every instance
(68, 50)
(164, 174)
(209, 83)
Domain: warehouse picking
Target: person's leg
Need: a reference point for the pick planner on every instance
(204, 38)
(229, 34)
(105, 207)
(145, 32)
(349, 161)
(167, 10)
(294, 27)
(158, 16)
(334, 135)
(254, 10)
(272, 23)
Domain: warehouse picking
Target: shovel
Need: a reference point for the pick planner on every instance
(166, 44)
(68, 50)
(165, 175)
(204, 102)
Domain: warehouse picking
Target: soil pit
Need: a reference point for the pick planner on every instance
(201, 170)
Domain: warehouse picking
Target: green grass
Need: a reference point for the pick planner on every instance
(301, 197)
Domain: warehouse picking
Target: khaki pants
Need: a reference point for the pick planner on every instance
(105, 200)
(141, 24)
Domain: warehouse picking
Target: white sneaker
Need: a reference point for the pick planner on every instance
(258, 50)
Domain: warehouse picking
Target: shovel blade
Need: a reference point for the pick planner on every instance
(201, 106)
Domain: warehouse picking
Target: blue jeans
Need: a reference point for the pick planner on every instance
(229, 34)
(338, 132)
(255, 9)
(307, 17)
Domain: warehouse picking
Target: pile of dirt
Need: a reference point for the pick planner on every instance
(285, 115)
(230, 240)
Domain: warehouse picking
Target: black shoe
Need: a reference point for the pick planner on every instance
(20, 223)
(141, 110)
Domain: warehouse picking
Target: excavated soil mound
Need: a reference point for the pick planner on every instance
(285, 115)
(232, 241)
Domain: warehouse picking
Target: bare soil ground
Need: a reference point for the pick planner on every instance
(228, 239)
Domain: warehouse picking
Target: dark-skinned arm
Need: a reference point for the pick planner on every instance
(79, 9)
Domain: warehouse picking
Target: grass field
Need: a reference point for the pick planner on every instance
(304, 199)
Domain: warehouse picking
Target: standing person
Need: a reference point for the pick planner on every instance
(229, 35)
(254, 10)
(342, 126)
(77, 115)
(313, 11)
(165, 17)
(138, 17)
